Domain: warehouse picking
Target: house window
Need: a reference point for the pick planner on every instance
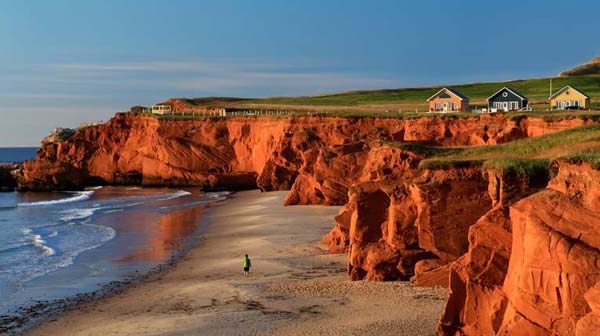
(504, 94)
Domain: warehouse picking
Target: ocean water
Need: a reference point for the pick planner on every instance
(16, 154)
(55, 245)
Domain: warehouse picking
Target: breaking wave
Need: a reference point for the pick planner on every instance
(41, 246)
(79, 196)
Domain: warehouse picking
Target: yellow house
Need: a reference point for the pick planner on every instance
(569, 98)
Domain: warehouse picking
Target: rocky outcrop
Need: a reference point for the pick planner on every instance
(421, 216)
(477, 302)
(7, 181)
(532, 265)
(518, 253)
(397, 216)
(237, 153)
(555, 253)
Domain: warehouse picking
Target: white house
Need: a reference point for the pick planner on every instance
(161, 109)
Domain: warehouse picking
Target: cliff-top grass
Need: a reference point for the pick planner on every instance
(591, 156)
(355, 114)
(411, 99)
(524, 156)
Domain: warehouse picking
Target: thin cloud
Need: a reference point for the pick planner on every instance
(301, 82)
(136, 67)
(169, 66)
(28, 95)
(44, 96)
(223, 78)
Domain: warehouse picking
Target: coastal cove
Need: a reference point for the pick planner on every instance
(62, 248)
(294, 287)
(304, 168)
(440, 200)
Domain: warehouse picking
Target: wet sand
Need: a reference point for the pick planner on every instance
(294, 288)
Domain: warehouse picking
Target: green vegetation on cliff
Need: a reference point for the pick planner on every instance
(526, 157)
(591, 156)
(409, 99)
(591, 68)
(537, 90)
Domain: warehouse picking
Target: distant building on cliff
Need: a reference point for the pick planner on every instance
(448, 100)
(569, 98)
(161, 109)
(507, 99)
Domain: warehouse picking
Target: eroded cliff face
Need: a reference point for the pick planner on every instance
(7, 181)
(554, 266)
(413, 218)
(519, 254)
(477, 301)
(238, 153)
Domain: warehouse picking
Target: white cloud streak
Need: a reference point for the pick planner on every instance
(223, 78)
(43, 96)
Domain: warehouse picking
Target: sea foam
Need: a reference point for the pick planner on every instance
(74, 214)
(79, 196)
(177, 194)
(40, 244)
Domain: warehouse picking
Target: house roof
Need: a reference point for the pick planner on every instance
(568, 87)
(515, 92)
(452, 91)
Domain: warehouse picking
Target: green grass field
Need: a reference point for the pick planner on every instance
(526, 157)
(537, 90)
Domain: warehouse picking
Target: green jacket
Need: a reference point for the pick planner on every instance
(246, 262)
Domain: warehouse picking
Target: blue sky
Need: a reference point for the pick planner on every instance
(64, 62)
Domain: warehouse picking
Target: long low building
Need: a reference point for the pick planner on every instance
(175, 108)
(161, 109)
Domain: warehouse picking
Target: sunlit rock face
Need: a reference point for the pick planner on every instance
(238, 153)
(519, 256)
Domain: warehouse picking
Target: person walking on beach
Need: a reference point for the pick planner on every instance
(246, 263)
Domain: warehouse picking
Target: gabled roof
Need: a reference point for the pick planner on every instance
(452, 91)
(515, 92)
(568, 87)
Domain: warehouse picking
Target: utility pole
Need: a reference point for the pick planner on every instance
(550, 109)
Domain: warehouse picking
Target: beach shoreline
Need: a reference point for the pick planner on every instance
(170, 243)
(294, 287)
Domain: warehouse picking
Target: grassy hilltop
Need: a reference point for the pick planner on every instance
(411, 99)
(591, 68)
(537, 90)
(527, 158)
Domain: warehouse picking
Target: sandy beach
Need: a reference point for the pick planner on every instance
(294, 287)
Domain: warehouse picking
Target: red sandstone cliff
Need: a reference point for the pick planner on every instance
(519, 255)
(243, 152)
